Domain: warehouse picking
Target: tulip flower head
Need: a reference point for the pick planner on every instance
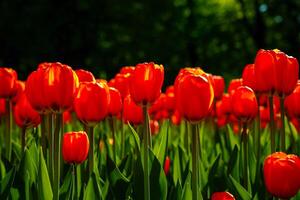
(219, 86)
(244, 104)
(146, 82)
(282, 174)
(75, 147)
(85, 76)
(8, 82)
(222, 196)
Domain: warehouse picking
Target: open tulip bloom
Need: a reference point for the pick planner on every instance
(66, 134)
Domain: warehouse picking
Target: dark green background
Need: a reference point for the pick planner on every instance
(221, 36)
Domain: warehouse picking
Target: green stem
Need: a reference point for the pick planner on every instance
(23, 138)
(272, 124)
(112, 125)
(186, 138)
(8, 119)
(57, 155)
(43, 135)
(245, 148)
(146, 154)
(91, 149)
(74, 180)
(282, 132)
(195, 168)
(258, 142)
(122, 137)
(51, 143)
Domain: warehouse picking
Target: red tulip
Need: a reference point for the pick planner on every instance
(249, 76)
(285, 73)
(167, 165)
(25, 116)
(52, 87)
(176, 118)
(194, 96)
(84, 76)
(132, 113)
(146, 82)
(20, 87)
(291, 103)
(75, 147)
(244, 104)
(92, 101)
(222, 196)
(264, 71)
(121, 83)
(2, 107)
(8, 82)
(219, 86)
(170, 98)
(234, 84)
(282, 174)
(154, 126)
(127, 69)
(115, 104)
(67, 117)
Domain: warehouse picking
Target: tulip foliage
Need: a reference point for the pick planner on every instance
(64, 134)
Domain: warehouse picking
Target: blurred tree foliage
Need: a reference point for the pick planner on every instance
(102, 35)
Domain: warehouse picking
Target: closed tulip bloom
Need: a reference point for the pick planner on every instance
(75, 147)
(2, 107)
(219, 86)
(249, 76)
(282, 174)
(194, 97)
(146, 82)
(244, 104)
(222, 196)
(176, 118)
(52, 87)
(115, 104)
(264, 65)
(8, 81)
(234, 84)
(85, 76)
(167, 165)
(291, 103)
(20, 87)
(170, 99)
(132, 113)
(127, 69)
(286, 73)
(25, 116)
(67, 117)
(91, 102)
(154, 126)
(121, 83)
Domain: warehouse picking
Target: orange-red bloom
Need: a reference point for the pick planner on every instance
(115, 104)
(249, 76)
(154, 126)
(234, 84)
(75, 147)
(219, 86)
(282, 174)
(91, 102)
(244, 104)
(291, 103)
(25, 116)
(85, 76)
(222, 196)
(146, 82)
(194, 96)
(285, 72)
(20, 87)
(264, 65)
(8, 82)
(132, 113)
(167, 165)
(52, 87)
(2, 107)
(121, 83)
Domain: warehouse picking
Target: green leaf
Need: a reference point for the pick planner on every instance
(187, 189)
(2, 170)
(136, 136)
(28, 166)
(161, 149)
(233, 160)
(92, 190)
(240, 189)
(176, 167)
(43, 181)
(6, 183)
(14, 194)
(66, 188)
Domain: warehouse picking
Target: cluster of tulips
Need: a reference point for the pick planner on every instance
(56, 98)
